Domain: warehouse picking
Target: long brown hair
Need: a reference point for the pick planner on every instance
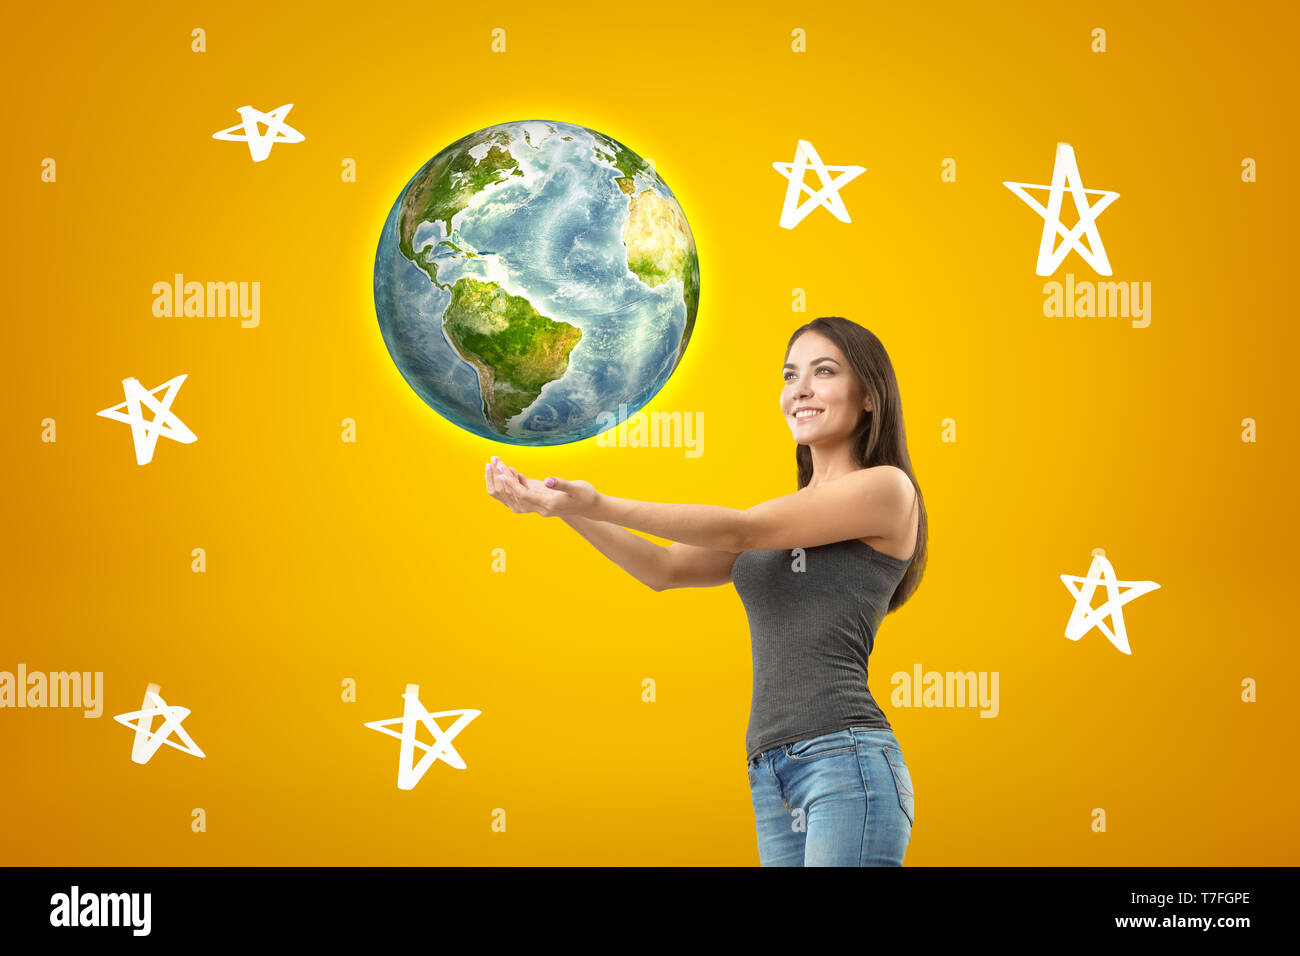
(878, 438)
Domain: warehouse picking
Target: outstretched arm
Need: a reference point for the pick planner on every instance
(870, 502)
(657, 567)
(867, 502)
(646, 561)
(707, 526)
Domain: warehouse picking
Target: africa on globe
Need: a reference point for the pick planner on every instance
(536, 282)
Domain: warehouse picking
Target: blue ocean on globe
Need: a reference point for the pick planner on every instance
(536, 282)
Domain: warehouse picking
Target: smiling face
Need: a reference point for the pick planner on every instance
(821, 399)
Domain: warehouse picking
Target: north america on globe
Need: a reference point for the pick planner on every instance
(534, 279)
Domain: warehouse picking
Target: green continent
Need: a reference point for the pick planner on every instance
(447, 184)
(515, 350)
(691, 295)
(619, 156)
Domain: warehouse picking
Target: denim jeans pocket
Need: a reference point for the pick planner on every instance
(826, 745)
(902, 782)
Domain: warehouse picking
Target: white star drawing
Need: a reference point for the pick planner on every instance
(407, 775)
(793, 212)
(147, 740)
(164, 423)
(259, 143)
(1085, 617)
(1065, 174)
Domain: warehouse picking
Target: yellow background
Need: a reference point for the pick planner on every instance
(371, 560)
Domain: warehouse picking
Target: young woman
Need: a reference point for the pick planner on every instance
(817, 571)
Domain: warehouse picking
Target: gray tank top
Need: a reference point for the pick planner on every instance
(811, 632)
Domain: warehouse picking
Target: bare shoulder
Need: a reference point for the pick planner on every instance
(899, 479)
(901, 542)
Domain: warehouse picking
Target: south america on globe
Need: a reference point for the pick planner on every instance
(536, 282)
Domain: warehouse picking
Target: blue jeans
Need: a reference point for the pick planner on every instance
(841, 799)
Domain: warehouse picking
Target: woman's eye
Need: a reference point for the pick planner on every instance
(820, 368)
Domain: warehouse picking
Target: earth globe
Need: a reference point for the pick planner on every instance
(536, 282)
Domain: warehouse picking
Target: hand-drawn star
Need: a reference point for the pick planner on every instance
(1084, 617)
(147, 740)
(407, 775)
(1066, 173)
(793, 213)
(259, 143)
(165, 423)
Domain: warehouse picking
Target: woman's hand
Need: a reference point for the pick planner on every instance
(551, 498)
